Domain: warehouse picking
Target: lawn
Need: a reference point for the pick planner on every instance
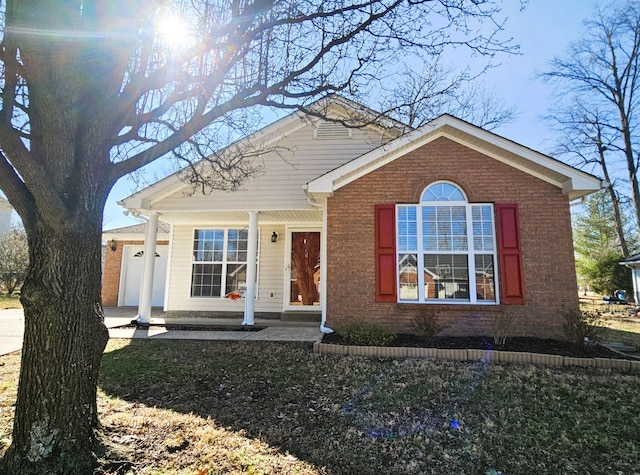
(9, 301)
(180, 407)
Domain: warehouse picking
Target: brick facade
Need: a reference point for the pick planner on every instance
(112, 270)
(545, 223)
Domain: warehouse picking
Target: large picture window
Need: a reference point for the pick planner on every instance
(219, 262)
(446, 248)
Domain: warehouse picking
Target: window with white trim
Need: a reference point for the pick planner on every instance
(219, 262)
(446, 248)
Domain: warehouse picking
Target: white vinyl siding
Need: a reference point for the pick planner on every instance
(270, 274)
(296, 160)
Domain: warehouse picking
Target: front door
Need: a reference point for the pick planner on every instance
(304, 267)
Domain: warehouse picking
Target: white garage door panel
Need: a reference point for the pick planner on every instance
(133, 268)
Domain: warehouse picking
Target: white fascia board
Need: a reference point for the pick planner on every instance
(575, 175)
(107, 236)
(577, 188)
(379, 157)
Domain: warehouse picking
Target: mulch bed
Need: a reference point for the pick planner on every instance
(203, 328)
(528, 345)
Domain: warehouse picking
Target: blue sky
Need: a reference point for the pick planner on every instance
(543, 30)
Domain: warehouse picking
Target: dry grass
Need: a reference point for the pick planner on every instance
(266, 408)
(9, 301)
(149, 440)
(622, 330)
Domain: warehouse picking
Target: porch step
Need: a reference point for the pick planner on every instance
(300, 317)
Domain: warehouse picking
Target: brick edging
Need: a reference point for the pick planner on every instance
(474, 355)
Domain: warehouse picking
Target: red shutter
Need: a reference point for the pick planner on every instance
(385, 253)
(510, 254)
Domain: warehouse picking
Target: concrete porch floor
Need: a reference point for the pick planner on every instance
(272, 329)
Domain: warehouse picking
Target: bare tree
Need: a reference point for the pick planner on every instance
(435, 90)
(14, 259)
(598, 81)
(92, 90)
(587, 139)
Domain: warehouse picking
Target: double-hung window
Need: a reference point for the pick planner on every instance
(219, 262)
(446, 248)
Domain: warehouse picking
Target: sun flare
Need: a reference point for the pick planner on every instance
(173, 31)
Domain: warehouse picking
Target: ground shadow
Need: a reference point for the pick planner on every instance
(369, 415)
(631, 338)
(272, 392)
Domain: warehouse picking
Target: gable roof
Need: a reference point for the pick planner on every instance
(633, 261)
(332, 106)
(135, 232)
(573, 182)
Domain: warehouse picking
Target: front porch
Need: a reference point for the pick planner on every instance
(166, 327)
(275, 274)
(120, 316)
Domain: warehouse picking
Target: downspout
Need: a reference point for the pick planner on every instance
(323, 261)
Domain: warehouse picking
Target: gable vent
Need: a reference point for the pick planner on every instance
(331, 130)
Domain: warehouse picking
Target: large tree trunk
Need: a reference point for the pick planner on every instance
(56, 411)
(615, 201)
(631, 163)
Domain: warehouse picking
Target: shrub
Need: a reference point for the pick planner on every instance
(425, 323)
(501, 323)
(370, 334)
(605, 275)
(582, 328)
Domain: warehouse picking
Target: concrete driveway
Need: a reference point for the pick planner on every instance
(11, 330)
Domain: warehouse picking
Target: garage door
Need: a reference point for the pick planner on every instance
(132, 269)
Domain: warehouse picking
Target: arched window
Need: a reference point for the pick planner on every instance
(442, 191)
(446, 248)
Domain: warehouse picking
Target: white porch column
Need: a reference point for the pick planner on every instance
(323, 270)
(635, 274)
(252, 256)
(146, 289)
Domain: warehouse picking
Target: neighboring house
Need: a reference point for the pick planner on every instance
(124, 265)
(374, 225)
(633, 263)
(5, 215)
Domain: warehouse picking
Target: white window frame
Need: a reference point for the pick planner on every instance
(225, 262)
(471, 252)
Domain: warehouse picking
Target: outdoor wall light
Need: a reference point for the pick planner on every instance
(112, 245)
(274, 237)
